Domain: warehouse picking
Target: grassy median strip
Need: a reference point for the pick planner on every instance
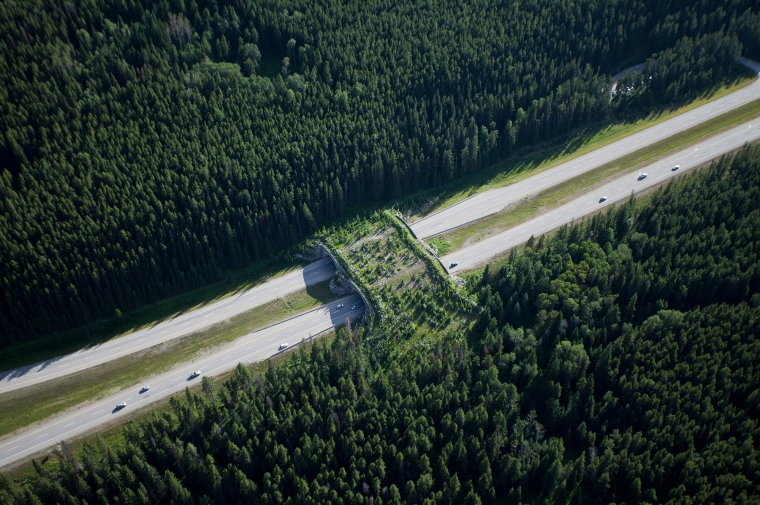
(562, 193)
(34, 403)
(49, 346)
(113, 435)
(532, 160)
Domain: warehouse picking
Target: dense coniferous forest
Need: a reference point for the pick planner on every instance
(617, 361)
(145, 146)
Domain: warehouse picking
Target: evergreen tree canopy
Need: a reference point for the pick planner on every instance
(145, 146)
(629, 373)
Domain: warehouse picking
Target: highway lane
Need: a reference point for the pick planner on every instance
(179, 326)
(250, 348)
(492, 201)
(619, 189)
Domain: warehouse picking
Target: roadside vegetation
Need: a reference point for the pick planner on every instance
(31, 404)
(532, 160)
(616, 358)
(440, 244)
(152, 146)
(56, 344)
(149, 149)
(414, 299)
(562, 193)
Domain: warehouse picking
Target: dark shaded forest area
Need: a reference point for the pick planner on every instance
(617, 361)
(147, 146)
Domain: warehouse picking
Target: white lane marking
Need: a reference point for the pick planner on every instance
(41, 436)
(140, 340)
(15, 447)
(94, 421)
(163, 332)
(98, 412)
(178, 378)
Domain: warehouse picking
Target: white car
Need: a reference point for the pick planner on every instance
(453, 264)
(355, 306)
(642, 176)
(144, 389)
(675, 168)
(121, 405)
(195, 374)
(284, 345)
(339, 306)
(603, 199)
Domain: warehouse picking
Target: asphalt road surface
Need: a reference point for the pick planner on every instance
(619, 189)
(179, 326)
(253, 347)
(492, 201)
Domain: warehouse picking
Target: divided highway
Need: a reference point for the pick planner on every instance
(179, 326)
(615, 191)
(251, 348)
(492, 201)
(264, 343)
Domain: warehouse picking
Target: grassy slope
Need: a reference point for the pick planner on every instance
(113, 434)
(32, 404)
(561, 194)
(506, 172)
(535, 159)
(529, 162)
(49, 346)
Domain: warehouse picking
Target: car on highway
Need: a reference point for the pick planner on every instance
(195, 374)
(339, 306)
(144, 389)
(355, 306)
(284, 345)
(453, 264)
(121, 405)
(603, 199)
(642, 176)
(675, 168)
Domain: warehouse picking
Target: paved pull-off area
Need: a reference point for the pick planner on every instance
(179, 326)
(251, 348)
(492, 201)
(619, 189)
